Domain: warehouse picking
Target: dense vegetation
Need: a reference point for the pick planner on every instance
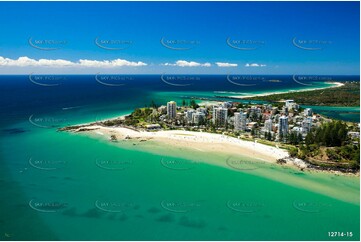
(329, 134)
(329, 145)
(347, 95)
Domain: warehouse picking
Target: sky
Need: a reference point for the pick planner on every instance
(315, 38)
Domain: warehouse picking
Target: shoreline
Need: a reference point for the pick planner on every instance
(201, 142)
(336, 84)
(205, 141)
(177, 152)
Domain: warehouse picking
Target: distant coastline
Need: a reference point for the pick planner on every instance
(335, 84)
(345, 95)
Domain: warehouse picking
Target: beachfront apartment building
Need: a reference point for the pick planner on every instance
(198, 117)
(306, 125)
(220, 116)
(237, 121)
(268, 125)
(240, 121)
(226, 105)
(202, 110)
(189, 115)
(283, 126)
(255, 111)
(171, 109)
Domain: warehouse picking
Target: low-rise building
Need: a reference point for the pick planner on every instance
(307, 112)
(202, 110)
(162, 109)
(252, 125)
(353, 135)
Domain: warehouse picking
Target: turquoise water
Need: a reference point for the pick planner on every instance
(64, 186)
(134, 197)
(351, 114)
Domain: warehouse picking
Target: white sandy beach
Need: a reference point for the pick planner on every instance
(202, 141)
(336, 84)
(199, 141)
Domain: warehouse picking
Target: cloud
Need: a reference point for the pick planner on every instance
(225, 64)
(26, 61)
(113, 63)
(183, 63)
(254, 65)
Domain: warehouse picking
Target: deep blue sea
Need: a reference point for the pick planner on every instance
(23, 96)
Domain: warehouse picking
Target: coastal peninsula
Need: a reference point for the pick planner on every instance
(283, 134)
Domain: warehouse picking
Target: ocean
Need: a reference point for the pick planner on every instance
(64, 186)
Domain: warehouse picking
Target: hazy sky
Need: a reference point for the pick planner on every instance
(180, 37)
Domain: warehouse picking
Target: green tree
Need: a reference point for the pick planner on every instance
(253, 131)
(269, 136)
(293, 151)
(152, 104)
(193, 104)
(300, 138)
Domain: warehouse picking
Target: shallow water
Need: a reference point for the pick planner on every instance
(58, 185)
